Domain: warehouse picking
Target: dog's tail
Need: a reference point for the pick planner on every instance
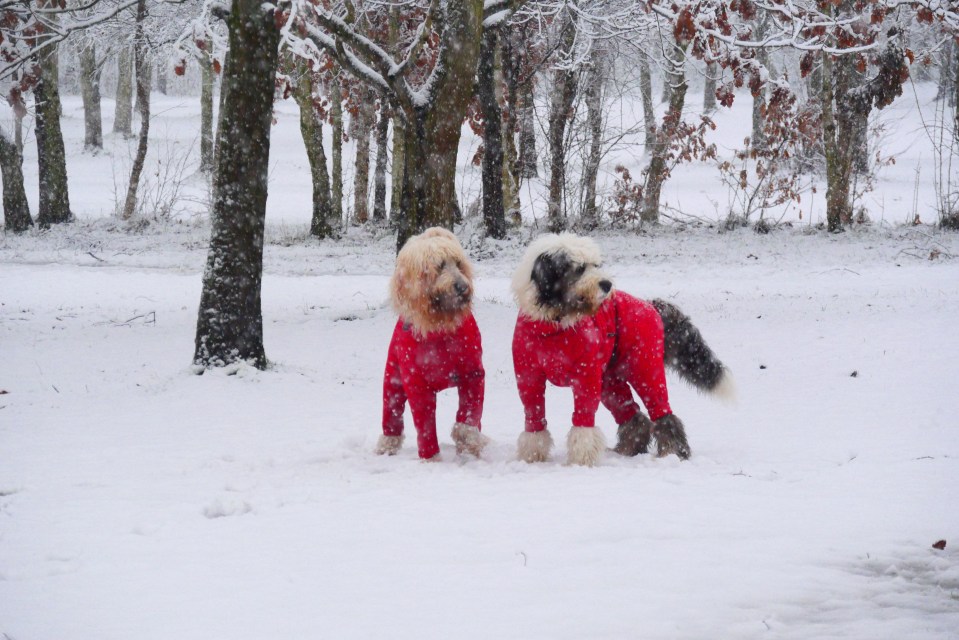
(687, 353)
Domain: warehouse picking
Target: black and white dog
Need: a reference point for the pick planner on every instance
(575, 330)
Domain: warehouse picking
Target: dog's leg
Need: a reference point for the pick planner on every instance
(423, 408)
(585, 446)
(671, 437)
(468, 439)
(394, 402)
(534, 446)
(633, 436)
(466, 431)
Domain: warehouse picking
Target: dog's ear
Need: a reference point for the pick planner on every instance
(550, 275)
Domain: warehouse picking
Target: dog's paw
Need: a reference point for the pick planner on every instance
(585, 446)
(534, 446)
(633, 436)
(468, 439)
(671, 437)
(388, 445)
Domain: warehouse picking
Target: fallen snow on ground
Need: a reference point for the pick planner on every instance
(139, 500)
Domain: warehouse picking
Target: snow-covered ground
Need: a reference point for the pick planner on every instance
(139, 500)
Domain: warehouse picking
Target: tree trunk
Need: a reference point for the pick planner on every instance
(54, 205)
(528, 158)
(90, 91)
(399, 153)
(382, 160)
(207, 80)
(230, 320)
(759, 99)
(594, 119)
(838, 208)
(311, 127)
(219, 117)
(161, 77)
(494, 217)
(123, 112)
(336, 111)
(16, 209)
(947, 72)
(433, 129)
(561, 104)
(360, 126)
(657, 172)
(709, 89)
(142, 65)
(649, 113)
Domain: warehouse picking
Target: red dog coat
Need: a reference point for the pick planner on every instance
(418, 367)
(600, 357)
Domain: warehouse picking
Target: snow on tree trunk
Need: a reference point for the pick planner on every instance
(54, 203)
(594, 120)
(90, 92)
(207, 80)
(561, 106)
(709, 88)
(16, 209)
(494, 217)
(382, 160)
(336, 113)
(649, 113)
(230, 321)
(123, 111)
(143, 74)
(360, 126)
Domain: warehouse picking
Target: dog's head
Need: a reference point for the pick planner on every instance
(432, 285)
(560, 280)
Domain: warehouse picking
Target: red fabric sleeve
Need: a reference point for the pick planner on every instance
(472, 383)
(394, 398)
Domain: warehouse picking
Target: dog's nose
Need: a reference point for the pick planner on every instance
(461, 288)
(605, 285)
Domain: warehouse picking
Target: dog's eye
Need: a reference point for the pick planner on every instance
(580, 269)
(441, 265)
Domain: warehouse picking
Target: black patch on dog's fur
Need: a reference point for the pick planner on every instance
(685, 349)
(554, 274)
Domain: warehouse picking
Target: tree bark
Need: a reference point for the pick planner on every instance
(709, 89)
(360, 126)
(90, 92)
(657, 172)
(54, 204)
(561, 104)
(230, 321)
(207, 80)
(143, 74)
(382, 160)
(528, 159)
(433, 128)
(311, 128)
(161, 77)
(759, 99)
(837, 170)
(16, 209)
(594, 119)
(336, 111)
(649, 113)
(123, 111)
(494, 216)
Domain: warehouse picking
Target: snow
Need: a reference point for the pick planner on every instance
(138, 499)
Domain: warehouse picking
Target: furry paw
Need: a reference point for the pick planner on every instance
(633, 436)
(671, 437)
(468, 439)
(585, 446)
(388, 445)
(534, 446)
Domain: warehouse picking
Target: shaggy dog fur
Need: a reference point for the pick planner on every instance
(436, 345)
(574, 330)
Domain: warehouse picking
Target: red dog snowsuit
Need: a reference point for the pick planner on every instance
(418, 367)
(600, 357)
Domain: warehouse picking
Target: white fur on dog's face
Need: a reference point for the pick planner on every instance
(560, 280)
(432, 285)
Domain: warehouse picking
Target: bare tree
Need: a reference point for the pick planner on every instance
(90, 92)
(143, 74)
(16, 209)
